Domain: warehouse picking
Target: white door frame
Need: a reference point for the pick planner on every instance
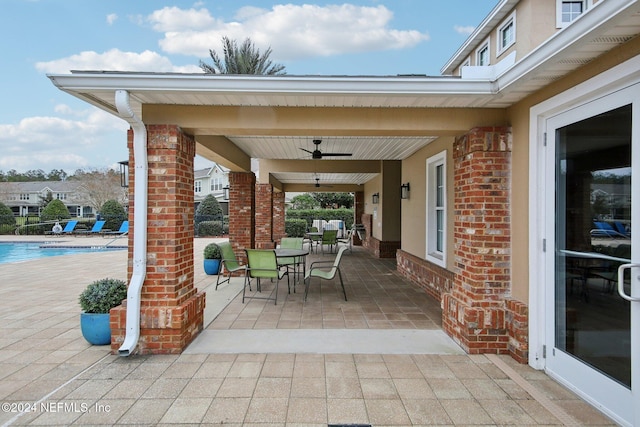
(540, 225)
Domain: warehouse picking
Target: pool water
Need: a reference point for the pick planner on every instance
(17, 252)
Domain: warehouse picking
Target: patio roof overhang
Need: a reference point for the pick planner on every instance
(236, 118)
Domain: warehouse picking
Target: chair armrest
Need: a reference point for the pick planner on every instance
(320, 262)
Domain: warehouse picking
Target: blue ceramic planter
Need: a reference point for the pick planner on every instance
(95, 328)
(212, 266)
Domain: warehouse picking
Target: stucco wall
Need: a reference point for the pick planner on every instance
(413, 213)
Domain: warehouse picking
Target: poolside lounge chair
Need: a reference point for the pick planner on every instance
(97, 229)
(68, 229)
(124, 229)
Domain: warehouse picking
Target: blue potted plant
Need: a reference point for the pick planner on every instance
(212, 257)
(96, 301)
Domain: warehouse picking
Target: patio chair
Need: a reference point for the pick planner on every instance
(229, 262)
(314, 239)
(325, 270)
(124, 229)
(346, 240)
(291, 262)
(68, 228)
(96, 229)
(328, 238)
(261, 264)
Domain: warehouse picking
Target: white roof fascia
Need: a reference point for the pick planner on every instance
(593, 20)
(480, 33)
(221, 83)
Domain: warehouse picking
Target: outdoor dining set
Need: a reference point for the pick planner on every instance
(289, 259)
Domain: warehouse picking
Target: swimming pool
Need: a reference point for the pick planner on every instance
(23, 251)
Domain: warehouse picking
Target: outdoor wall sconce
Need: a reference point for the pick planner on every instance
(225, 193)
(375, 198)
(124, 173)
(404, 191)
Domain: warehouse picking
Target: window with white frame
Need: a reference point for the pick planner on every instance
(197, 186)
(482, 54)
(507, 34)
(568, 11)
(437, 209)
(216, 184)
(61, 196)
(24, 196)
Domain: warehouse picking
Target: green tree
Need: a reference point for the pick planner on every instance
(7, 220)
(112, 212)
(304, 201)
(243, 59)
(208, 210)
(54, 211)
(334, 200)
(44, 201)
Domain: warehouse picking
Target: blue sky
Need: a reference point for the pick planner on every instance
(42, 127)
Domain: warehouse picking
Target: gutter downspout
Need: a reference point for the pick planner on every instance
(132, 332)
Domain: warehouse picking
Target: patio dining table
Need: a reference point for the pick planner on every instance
(294, 253)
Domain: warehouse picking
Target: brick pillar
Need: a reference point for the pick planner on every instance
(242, 206)
(358, 211)
(474, 312)
(264, 216)
(172, 311)
(278, 215)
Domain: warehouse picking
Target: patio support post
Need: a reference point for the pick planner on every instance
(264, 217)
(171, 309)
(278, 216)
(242, 206)
(478, 313)
(358, 210)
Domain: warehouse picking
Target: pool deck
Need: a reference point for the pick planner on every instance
(49, 375)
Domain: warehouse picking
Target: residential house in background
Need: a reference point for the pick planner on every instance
(25, 198)
(212, 180)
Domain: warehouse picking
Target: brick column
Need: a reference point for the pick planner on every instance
(242, 205)
(474, 312)
(171, 312)
(278, 216)
(264, 216)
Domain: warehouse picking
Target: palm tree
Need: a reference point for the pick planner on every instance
(245, 59)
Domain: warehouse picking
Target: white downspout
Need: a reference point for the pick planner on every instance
(132, 332)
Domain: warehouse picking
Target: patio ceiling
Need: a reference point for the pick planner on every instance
(178, 96)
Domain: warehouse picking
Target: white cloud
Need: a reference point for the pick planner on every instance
(111, 18)
(292, 31)
(460, 29)
(87, 139)
(113, 60)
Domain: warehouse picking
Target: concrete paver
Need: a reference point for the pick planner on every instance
(50, 376)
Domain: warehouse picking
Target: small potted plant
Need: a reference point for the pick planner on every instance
(96, 301)
(212, 257)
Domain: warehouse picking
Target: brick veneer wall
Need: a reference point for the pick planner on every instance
(475, 311)
(358, 211)
(434, 279)
(242, 206)
(264, 217)
(172, 311)
(278, 216)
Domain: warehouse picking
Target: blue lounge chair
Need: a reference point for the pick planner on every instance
(68, 229)
(97, 229)
(124, 229)
(604, 229)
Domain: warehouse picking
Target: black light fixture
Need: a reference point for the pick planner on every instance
(124, 173)
(404, 191)
(375, 199)
(225, 192)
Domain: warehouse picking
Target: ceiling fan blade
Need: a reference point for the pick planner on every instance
(336, 154)
(310, 152)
